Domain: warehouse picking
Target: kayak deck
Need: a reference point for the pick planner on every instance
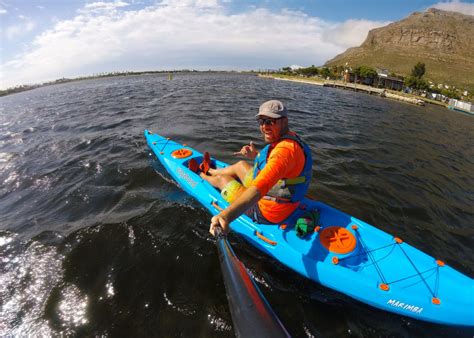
(345, 254)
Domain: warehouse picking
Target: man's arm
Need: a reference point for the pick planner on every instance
(273, 171)
(250, 196)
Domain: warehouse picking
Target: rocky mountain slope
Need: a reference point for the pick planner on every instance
(443, 40)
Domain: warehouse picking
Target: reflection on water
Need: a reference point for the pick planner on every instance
(28, 273)
(95, 239)
(72, 309)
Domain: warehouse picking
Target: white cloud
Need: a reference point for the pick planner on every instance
(103, 6)
(192, 3)
(193, 34)
(456, 6)
(3, 11)
(15, 31)
(351, 33)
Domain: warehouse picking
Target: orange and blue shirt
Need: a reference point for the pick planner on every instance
(286, 159)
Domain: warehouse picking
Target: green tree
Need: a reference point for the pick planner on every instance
(416, 83)
(451, 93)
(418, 70)
(309, 71)
(325, 72)
(336, 72)
(340, 69)
(365, 72)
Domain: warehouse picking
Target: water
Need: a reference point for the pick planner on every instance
(93, 241)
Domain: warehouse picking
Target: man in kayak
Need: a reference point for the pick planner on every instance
(270, 190)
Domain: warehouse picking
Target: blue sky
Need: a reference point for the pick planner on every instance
(43, 40)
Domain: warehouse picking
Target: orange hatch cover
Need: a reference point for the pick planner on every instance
(181, 153)
(337, 239)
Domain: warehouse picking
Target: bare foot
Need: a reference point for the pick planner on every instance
(211, 172)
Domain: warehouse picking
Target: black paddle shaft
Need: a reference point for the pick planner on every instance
(251, 313)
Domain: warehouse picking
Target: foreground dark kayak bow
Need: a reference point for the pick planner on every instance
(251, 314)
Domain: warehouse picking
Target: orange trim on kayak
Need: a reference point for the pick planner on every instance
(338, 240)
(265, 239)
(181, 153)
(215, 205)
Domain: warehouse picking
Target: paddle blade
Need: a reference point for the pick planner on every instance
(251, 313)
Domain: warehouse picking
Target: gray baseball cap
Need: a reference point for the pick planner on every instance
(273, 108)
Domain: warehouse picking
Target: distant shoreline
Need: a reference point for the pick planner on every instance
(391, 94)
(24, 88)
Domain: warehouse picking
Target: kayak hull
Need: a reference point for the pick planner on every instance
(379, 269)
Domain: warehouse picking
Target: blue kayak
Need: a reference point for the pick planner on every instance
(343, 253)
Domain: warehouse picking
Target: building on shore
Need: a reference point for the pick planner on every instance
(466, 107)
(382, 80)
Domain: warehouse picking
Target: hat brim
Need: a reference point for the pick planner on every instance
(272, 115)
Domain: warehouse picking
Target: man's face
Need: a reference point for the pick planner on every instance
(270, 128)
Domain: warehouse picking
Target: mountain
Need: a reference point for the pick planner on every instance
(443, 40)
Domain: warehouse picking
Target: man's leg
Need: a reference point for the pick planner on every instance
(237, 170)
(230, 188)
(219, 181)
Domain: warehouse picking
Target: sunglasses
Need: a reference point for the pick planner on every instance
(267, 122)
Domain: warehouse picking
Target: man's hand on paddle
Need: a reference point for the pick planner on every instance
(244, 201)
(219, 221)
(248, 151)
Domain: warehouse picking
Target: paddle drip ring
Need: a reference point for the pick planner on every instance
(181, 153)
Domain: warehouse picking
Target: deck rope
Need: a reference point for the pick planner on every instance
(417, 271)
(164, 145)
(415, 275)
(365, 252)
(369, 253)
(379, 270)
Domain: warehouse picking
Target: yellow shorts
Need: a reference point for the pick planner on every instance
(234, 188)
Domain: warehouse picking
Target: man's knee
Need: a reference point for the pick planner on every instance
(244, 165)
(232, 190)
(223, 180)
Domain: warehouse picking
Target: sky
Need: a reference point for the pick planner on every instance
(44, 40)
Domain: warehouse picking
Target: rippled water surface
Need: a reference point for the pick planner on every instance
(94, 241)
